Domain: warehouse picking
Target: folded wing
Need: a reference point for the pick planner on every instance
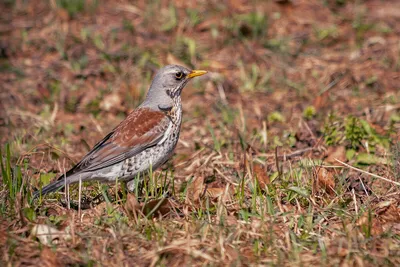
(142, 129)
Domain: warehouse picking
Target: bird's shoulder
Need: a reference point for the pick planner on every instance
(141, 123)
(141, 129)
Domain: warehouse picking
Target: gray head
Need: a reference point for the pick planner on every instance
(167, 85)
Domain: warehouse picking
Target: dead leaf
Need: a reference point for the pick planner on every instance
(216, 184)
(325, 181)
(215, 192)
(396, 228)
(389, 214)
(132, 206)
(382, 206)
(62, 14)
(321, 101)
(43, 91)
(261, 175)
(336, 152)
(365, 222)
(156, 206)
(18, 208)
(3, 233)
(231, 253)
(49, 258)
(195, 189)
(208, 24)
(231, 220)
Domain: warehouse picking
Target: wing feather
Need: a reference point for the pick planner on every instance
(142, 129)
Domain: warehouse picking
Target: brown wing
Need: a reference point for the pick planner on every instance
(142, 128)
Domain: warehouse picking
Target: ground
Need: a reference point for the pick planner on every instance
(289, 152)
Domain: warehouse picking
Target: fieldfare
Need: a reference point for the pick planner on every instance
(145, 139)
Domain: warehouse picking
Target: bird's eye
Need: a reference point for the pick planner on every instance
(179, 75)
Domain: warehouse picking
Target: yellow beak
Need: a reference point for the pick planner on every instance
(195, 73)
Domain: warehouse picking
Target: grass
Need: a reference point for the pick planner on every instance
(254, 179)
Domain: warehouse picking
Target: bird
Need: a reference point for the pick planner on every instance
(145, 139)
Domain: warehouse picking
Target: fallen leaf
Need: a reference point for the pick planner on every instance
(336, 152)
(208, 24)
(231, 254)
(325, 181)
(218, 192)
(368, 223)
(231, 220)
(321, 101)
(43, 91)
(195, 189)
(62, 14)
(396, 228)
(390, 214)
(156, 206)
(383, 206)
(132, 206)
(215, 192)
(49, 258)
(261, 175)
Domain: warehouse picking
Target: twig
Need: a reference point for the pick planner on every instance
(264, 134)
(354, 200)
(308, 129)
(26, 114)
(277, 163)
(222, 94)
(296, 153)
(363, 186)
(96, 124)
(332, 83)
(130, 8)
(54, 114)
(371, 174)
(291, 155)
(226, 178)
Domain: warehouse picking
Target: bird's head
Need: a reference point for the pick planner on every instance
(168, 84)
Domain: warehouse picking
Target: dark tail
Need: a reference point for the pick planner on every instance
(54, 186)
